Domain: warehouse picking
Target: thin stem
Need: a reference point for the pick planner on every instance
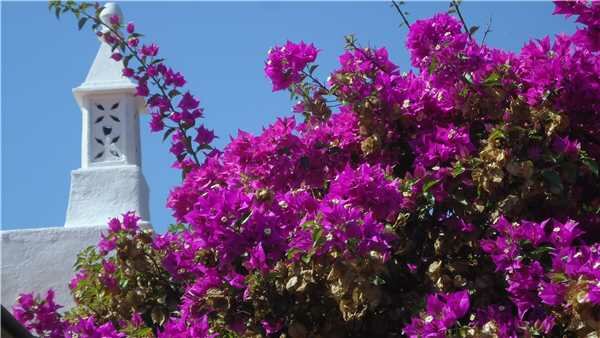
(315, 80)
(372, 59)
(488, 29)
(397, 6)
(159, 274)
(456, 6)
(306, 94)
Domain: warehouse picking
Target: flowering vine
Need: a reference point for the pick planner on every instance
(456, 199)
(173, 112)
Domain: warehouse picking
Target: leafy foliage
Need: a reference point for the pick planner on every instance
(459, 199)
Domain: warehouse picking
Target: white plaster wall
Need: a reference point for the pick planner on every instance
(99, 193)
(39, 259)
(104, 70)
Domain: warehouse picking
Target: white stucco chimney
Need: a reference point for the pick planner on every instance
(110, 180)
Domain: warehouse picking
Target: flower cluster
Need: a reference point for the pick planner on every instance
(115, 289)
(442, 312)
(285, 64)
(172, 110)
(535, 289)
(458, 199)
(39, 315)
(587, 14)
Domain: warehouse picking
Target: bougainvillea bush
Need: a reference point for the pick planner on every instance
(460, 198)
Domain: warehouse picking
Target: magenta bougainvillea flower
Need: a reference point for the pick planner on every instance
(285, 64)
(442, 312)
(459, 198)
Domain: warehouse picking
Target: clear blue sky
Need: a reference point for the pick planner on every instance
(220, 47)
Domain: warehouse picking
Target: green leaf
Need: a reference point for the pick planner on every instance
(469, 78)
(591, 164)
(176, 228)
(306, 258)
(496, 134)
(492, 79)
(553, 179)
(350, 40)
(292, 252)
(458, 169)
(173, 93)
(204, 147)
(98, 10)
(429, 184)
(126, 60)
(312, 68)
(473, 29)
(168, 132)
(541, 251)
(246, 218)
(558, 277)
(461, 200)
(309, 225)
(158, 315)
(317, 236)
(432, 66)
(378, 281)
(81, 23)
(430, 201)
